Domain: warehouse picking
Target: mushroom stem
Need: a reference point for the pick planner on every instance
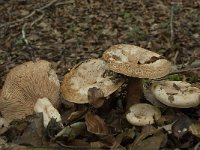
(44, 105)
(134, 91)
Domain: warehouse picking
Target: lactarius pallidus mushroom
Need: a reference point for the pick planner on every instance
(24, 85)
(89, 74)
(142, 114)
(176, 93)
(136, 62)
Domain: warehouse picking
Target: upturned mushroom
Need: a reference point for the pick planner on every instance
(143, 114)
(89, 74)
(136, 62)
(24, 85)
(176, 93)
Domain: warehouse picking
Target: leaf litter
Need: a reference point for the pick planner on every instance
(68, 32)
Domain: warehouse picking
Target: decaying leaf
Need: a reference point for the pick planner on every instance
(72, 131)
(95, 124)
(33, 133)
(76, 114)
(151, 143)
(95, 97)
(53, 128)
(150, 139)
(2, 142)
(124, 136)
(181, 126)
(194, 128)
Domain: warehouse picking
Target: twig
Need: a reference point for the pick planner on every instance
(24, 34)
(171, 26)
(184, 70)
(178, 71)
(37, 20)
(175, 57)
(31, 14)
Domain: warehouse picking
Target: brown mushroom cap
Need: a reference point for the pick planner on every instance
(89, 74)
(135, 61)
(25, 84)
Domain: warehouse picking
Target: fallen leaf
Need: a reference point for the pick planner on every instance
(33, 133)
(95, 97)
(194, 128)
(72, 131)
(95, 124)
(151, 143)
(181, 126)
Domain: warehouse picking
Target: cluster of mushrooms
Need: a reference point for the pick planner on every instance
(34, 86)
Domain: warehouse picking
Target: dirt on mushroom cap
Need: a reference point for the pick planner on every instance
(136, 62)
(26, 83)
(92, 73)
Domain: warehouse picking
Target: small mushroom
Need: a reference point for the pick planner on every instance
(136, 62)
(44, 105)
(89, 74)
(24, 85)
(143, 114)
(176, 93)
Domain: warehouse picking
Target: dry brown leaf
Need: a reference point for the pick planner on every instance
(151, 143)
(181, 126)
(33, 134)
(95, 124)
(194, 128)
(148, 135)
(95, 97)
(76, 115)
(72, 131)
(146, 131)
(129, 134)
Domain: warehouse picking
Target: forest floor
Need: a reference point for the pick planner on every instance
(66, 32)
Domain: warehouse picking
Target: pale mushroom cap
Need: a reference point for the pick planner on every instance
(89, 74)
(176, 93)
(26, 83)
(44, 105)
(143, 114)
(135, 61)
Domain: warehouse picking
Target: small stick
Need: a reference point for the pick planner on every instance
(184, 70)
(24, 34)
(171, 25)
(31, 14)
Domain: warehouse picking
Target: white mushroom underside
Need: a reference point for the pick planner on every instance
(176, 94)
(142, 114)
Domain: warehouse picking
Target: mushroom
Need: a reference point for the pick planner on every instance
(136, 62)
(43, 105)
(24, 85)
(89, 74)
(143, 114)
(176, 93)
